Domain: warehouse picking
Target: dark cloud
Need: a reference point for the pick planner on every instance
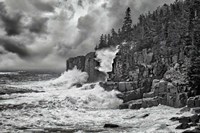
(38, 25)
(14, 47)
(50, 31)
(12, 24)
(43, 6)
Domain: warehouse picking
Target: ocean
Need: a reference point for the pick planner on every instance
(37, 102)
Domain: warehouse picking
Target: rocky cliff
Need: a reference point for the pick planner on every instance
(157, 61)
(88, 64)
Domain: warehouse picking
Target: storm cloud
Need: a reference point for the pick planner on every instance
(14, 47)
(42, 34)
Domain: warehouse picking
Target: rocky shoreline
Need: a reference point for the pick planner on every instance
(152, 67)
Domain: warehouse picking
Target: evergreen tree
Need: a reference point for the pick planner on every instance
(127, 21)
(101, 44)
(105, 40)
(127, 26)
(194, 27)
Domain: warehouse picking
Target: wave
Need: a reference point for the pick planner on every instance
(71, 90)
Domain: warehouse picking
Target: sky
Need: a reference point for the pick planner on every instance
(43, 34)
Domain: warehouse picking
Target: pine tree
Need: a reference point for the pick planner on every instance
(127, 21)
(127, 26)
(105, 40)
(101, 44)
(194, 27)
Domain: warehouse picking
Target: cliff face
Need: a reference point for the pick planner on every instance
(154, 58)
(88, 64)
(156, 78)
(79, 62)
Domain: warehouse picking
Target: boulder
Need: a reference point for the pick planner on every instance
(148, 95)
(126, 86)
(137, 104)
(155, 82)
(174, 119)
(171, 88)
(111, 126)
(145, 115)
(194, 118)
(150, 102)
(195, 110)
(159, 87)
(163, 86)
(124, 106)
(181, 100)
(183, 126)
(133, 95)
(190, 102)
(193, 102)
(146, 84)
(185, 109)
(109, 86)
(184, 119)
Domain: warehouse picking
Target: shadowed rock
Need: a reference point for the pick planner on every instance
(111, 126)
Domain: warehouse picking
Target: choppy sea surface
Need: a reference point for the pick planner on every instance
(62, 104)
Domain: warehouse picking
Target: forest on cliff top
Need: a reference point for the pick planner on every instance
(166, 31)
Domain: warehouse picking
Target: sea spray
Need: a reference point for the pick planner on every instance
(70, 78)
(63, 92)
(106, 58)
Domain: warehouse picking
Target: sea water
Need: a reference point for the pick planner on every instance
(65, 103)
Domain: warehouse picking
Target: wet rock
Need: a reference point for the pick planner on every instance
(190, 102)
(183, 126)
(145, 115)
(195, 110)
(87, 64)
(194, 118)
(109, 86)
(174, 119)
(146, 85)
(125, 86)
(111, 126)
(148, 95)
(181, 100)
(150, 102)
(184, 119)
(159, 87)
(136, 105)
(90, 67)
(192, 124)
(193, 102)
(120, 96)
(192, 131)
(160, 70)
(78, 61)
(133, 95)
(124, 106)
(185, 109)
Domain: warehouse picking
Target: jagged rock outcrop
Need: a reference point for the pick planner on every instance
(88, 64)
(79, 62)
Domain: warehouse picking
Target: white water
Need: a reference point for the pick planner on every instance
(106, 57)
(85, 108)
